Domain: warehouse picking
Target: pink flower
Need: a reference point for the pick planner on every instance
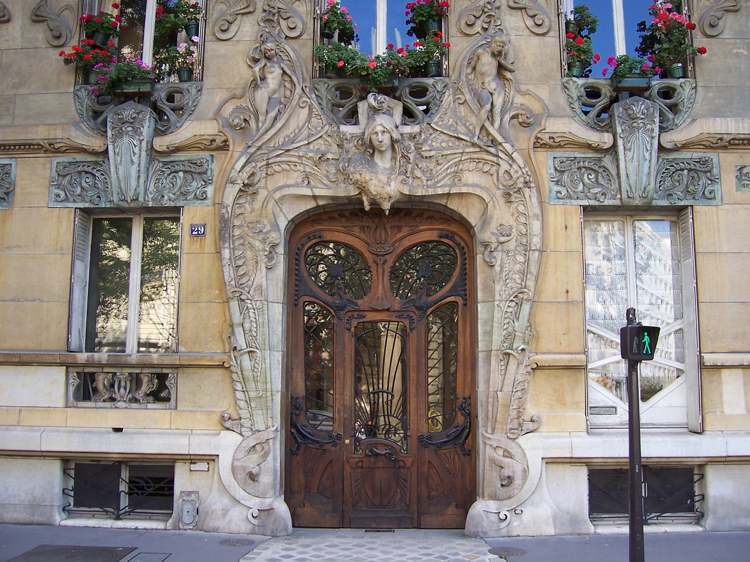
(372, 64)
(604, 71)
(325, 17)
(343, 9)
(340, 63)
(646, 66)
(612, 61)
(657, 69)
(330, 3)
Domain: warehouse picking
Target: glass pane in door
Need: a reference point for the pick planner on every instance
(380, 390)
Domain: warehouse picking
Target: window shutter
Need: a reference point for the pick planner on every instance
(690, 307)
(79, 281)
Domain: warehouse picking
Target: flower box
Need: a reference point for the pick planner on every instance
(631, 83)
(136, 88)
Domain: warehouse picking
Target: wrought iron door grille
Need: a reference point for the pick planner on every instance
(669, 493)
(119, 489)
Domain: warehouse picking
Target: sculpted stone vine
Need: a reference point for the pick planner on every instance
(711, 21)
(4, 13)
(7, 182)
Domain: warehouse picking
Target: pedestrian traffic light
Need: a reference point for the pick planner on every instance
(638, 343)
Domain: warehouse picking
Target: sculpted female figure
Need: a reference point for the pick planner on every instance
(268, 73)
(374, 172)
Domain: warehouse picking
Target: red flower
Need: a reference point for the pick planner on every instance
(596, 58)
(99, 20)
(113, 23)
(579, 41)
(89, 41)
(400, 50)
(118, 18)
(389, 64)
(111, 43)
(61, 53)
(159, 11)
(86, 57)
(417, 44)
(115, 5)
(390, 46)
(651, 58)
(690, 25)
(70, 55)
(570, 35)
(701, 50)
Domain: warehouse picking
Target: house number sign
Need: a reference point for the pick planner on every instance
(197, 230)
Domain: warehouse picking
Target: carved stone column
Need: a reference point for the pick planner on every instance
(130, 134)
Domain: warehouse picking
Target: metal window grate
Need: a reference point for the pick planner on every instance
(119, 489)
(669, 493)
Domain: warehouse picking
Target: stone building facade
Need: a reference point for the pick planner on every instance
(502, 217)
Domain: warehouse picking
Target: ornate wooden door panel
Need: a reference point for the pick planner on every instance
(381, 360)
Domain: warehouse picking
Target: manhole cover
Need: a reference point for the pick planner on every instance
(237, 542)
(55, 553)
(505, 551)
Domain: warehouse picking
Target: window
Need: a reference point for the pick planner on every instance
(669, 493)
(119, 489)
(617, 30)
(125, 284)
(645, 262)
(142, 37)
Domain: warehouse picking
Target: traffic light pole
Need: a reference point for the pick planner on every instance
(635, 474)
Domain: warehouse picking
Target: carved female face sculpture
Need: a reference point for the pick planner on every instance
(380, 138)
(381, 133)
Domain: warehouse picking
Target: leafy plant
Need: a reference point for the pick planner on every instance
(579, 50)
(422, 11)
(173, 58)
(625, 65)
(105, 22)
(113, 75)
(584, 20)
(666, 40)
(336, 18)
(86, 55)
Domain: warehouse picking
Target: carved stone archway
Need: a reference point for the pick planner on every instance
(294, 161)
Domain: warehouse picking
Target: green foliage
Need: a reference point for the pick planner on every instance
(584, 20)
(336, 18)
(423, 11)
(666, 40)
(626, 65)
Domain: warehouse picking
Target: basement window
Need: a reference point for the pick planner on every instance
(119, 490)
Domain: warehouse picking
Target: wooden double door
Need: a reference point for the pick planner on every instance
(381, 362)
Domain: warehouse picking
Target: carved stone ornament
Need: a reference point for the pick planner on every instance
(295, 157)
(592, 180)
(742, 175)
(636, 124)
(711, 21)
(7, 182)
(591, 101)
(229, 17)
(130, 132)
(172, 181)
(112, 388)
(59, 19)
(535, 15)
(172, 114)
(4, 13)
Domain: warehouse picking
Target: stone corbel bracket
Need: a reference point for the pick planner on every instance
(60, 22)
(7, 182)
(174, 103)
(4, 13)
(591, 101)
(587, 179)
(85, 182)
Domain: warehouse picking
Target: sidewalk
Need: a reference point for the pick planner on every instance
(25, 543)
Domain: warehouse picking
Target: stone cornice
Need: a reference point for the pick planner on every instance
(19, 140)
(709, 133)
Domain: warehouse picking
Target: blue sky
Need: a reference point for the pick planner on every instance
(363, 12)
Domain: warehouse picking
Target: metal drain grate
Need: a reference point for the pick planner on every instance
(55, 553)
(237, 542)
(505, 551)
(380, 530)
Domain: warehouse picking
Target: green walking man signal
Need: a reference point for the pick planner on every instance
(638, 343)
